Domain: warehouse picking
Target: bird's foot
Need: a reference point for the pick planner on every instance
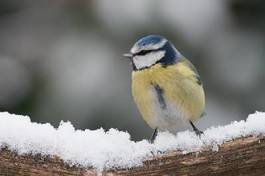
(198, 132)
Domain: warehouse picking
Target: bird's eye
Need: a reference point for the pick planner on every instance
(143, 52)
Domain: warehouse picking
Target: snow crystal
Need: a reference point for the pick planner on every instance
(112, 149)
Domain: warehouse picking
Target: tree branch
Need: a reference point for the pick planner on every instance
(244, 156)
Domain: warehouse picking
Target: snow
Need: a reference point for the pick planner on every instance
(112, 149)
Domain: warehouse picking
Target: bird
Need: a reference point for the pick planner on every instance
(166, 86)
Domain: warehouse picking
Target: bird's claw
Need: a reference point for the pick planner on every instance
(198, 132)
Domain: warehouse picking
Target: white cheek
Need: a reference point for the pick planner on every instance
(148, 60)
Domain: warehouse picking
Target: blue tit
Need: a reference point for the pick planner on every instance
(166, 87)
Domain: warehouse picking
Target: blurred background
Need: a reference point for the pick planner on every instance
(62, 59)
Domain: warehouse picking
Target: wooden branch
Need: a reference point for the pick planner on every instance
(245, 156)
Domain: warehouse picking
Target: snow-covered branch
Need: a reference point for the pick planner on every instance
(34, 149)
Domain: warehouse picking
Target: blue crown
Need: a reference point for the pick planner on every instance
(150, 39)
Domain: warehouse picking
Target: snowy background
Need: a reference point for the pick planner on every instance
(62, 60)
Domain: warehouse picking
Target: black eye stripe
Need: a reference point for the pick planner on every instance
(144, 52)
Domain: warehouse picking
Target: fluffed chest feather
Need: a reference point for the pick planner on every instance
(167, 99)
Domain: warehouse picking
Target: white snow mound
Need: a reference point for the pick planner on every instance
(112, 149)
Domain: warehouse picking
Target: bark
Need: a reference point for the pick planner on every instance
(244, 156)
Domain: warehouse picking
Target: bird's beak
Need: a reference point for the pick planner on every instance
(128, 55)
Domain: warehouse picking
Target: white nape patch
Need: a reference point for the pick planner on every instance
(148, 59)
(151, 46)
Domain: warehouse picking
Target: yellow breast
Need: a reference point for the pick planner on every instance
(179, 86)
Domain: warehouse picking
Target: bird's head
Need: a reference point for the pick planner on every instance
(151, 50)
